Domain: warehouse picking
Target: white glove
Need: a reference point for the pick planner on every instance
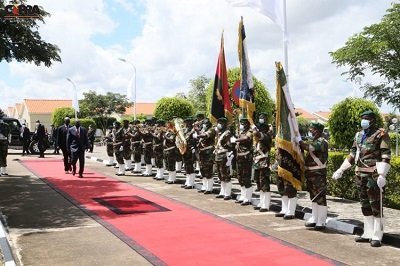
(339, 172)
(298, 139)
(121, 148)
(193, 150)
(195, 135)
(381, 181)
(230, 158)
(233, 139)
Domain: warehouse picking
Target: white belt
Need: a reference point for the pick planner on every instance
(147, 143)
(170, 148)
(243, 153)
(221, 151)
(366, 169)
(317, 167)
(206, 148)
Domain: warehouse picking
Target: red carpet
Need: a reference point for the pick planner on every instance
(167, 232)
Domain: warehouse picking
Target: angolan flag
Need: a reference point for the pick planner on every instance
(246, 99)
(221, 104)
(288, 153)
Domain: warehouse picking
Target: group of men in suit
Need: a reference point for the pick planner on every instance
(73, 142)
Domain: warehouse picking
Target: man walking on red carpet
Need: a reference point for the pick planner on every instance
(61, 141)
(77, 141)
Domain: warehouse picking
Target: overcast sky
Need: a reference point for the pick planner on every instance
(172, 41)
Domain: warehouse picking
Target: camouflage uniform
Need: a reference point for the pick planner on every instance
(147, 137)
(4, 135)
(136, 144)
(158, 139)
(188, 156)
(170, 153)
(244, 160)
(371, 155)
(108, 139)
(222, 149)
(374, 147)
(119, 137)
(206, 156)
(127, 147)
(315, 174)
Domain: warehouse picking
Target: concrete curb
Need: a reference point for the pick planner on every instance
(5, 243)
(346, 226)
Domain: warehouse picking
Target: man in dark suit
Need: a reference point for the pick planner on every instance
(61, 142)
(77, 142)
(26, 136)
(40, 135)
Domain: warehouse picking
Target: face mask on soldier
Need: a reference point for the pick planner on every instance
(241, 127)
(261, 121)
(364, 123)
(204, 127)
(219, 126)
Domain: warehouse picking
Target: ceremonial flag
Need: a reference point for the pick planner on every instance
(221, 104)
(236, 92)
(288, 153)
(270, 8)
(246, 99)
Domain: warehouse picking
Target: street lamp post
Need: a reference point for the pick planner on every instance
(134, 90)
(395, 128)
(75, 99)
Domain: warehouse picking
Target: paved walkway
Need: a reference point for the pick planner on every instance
(343, 215)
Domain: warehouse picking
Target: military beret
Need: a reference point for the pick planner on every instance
(136, 122)
(160, 121)
(117, 123)
(368, 113)
(243, 118)
(317, 125)
(222, 120)
(188, 119)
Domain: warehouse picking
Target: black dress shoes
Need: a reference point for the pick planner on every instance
(279, 214)
(227, 198)
(256, 208)
(201, 191)
(263, 210)
(245, 203)
(207, 192)
(360, 239)
(189, 187)
(219, 196)
(308, 224)
(288, 217)
(375, 243)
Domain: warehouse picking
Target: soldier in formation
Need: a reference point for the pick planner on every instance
(371, 155)
(315, 174)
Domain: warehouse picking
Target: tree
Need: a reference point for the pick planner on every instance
(102, 106)
(263, 101)
(344, 120)
(197, 93)
(20, 39)
(377, 50)
(167, 108)
(59, 114)
(2, 113)
(304, 125)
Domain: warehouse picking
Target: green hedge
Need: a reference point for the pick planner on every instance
(346, 187)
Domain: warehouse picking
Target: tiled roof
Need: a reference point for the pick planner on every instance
(142, 108)
(323, 114)
(303, 113)
(36, 106)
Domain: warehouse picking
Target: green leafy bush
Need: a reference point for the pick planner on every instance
(167, 108)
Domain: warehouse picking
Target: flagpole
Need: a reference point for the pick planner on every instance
(285, 44)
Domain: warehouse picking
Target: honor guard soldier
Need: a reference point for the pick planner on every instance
(197, 126)
(223, 157)
(136, 144)
(170, 152)
(244, 161)
(206, 152)
(108, 139)
(158, 139)
(371, 155)
(127, 145)
(261, 162)
(118, 141)
(315, 174)
(147, 138)
(4, 136)
(188, 156)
